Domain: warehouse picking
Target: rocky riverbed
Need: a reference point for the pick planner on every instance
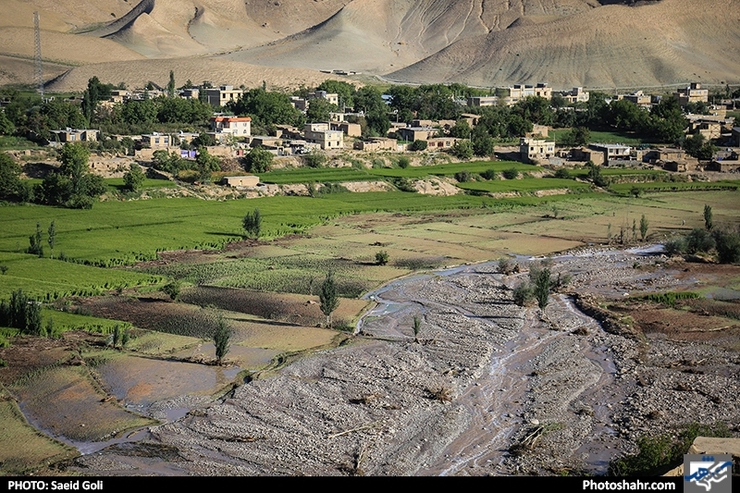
(485, 387)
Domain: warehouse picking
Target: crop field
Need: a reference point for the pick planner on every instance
(21, 445)
(626, 188)
(117, 183)
(525, 185)
(323, 175)
(51, 279)
(80, 411)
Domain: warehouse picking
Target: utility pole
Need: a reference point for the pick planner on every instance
(38, 73)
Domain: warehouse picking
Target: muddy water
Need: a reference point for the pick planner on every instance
(496, 400)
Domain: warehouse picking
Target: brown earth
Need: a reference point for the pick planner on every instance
(565, 42)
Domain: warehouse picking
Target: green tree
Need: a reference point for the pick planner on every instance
(463, 149)
(171, 85)
(328, 297)
(252, 223)
(221, 339)
(52, 232)
(708, 221)
(416, 327)
(10, 178)
(542, 283)
(643, 227)
(134, 178)
(483, 145)
(319, 110)
(36, 247)
(258, 160)
(381, 257)
(418, 145)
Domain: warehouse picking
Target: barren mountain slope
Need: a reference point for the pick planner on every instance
(612, 46)
(381, 35)
(137, 73)
(62, 15)
(174, 28)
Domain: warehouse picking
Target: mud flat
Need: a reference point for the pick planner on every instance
(486, 387)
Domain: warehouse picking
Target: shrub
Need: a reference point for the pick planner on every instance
(674, 246)
(172, 290)
(463, 149)
(511, 174)
(699, 240)
(656, 455)
(252, 223)
(728, 246)
(489, 174)
(562, 173)
(418, 145)
(463, 176)
(404, 162)
(258, 160)
(221, 339)
(523, 293)
(314, 159)
(381, 258)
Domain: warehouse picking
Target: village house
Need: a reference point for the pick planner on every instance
(155, 140)
(441, 143)
(613, 152)
(377, 144)
(532, 150)
(76, 135)
(320, 133)
(517, 92)
(299, 103)
(483, 101)
(416, 133)
(692, 94)
(231, 126)
(222, 95)
(348, 129)
(575, 95)
(583, 154)
(247, 181)
(189, 93)
(331, 97)
(639, 98)
(708, 128)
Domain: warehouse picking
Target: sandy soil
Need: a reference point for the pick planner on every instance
(483, 376)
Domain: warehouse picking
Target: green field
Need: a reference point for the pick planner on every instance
(626, 188)
(525, 185)
(323, 175)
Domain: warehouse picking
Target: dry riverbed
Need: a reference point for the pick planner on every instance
(485, 388)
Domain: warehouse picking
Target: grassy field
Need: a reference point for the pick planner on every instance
(525, 185)
(626, 188)
(323, 175)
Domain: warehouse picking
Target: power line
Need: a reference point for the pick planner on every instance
(38, 73)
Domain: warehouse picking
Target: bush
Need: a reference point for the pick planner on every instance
(699, 240)
(463, 176)
(674, 246)
(562, 173)
(381, 258)
(404, 162)
(523, 293)
(463, 149)
(489, 174)
(258, 160)
(314, 159)
(728, 246)
(252, 223)
(511, 174)
(172, 290)
(657, 455)
(133, 179)
(418, 145)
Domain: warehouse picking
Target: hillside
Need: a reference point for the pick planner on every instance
(592, 43)
(669, 42)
